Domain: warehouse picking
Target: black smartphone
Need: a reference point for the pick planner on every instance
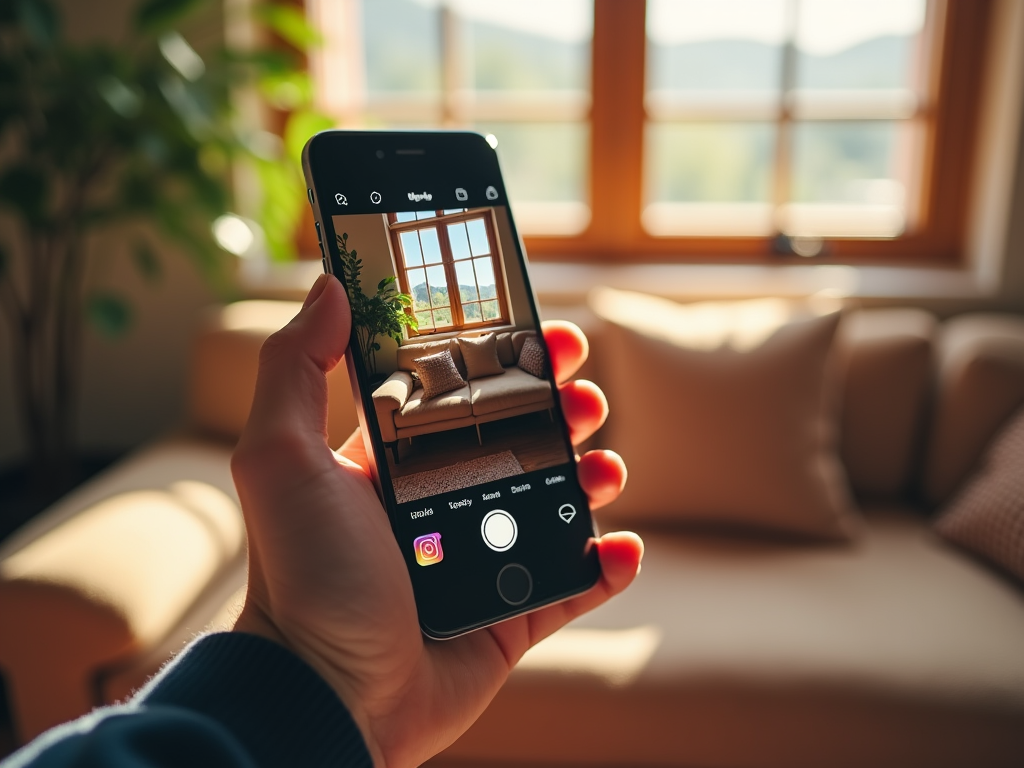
(468, 445)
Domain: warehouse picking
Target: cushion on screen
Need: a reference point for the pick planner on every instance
(438, 374)
(480, 355)
(725, 414)
(531, 358)
(987, 516)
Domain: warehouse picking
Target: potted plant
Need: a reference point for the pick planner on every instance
(381, 314)
(100, 135)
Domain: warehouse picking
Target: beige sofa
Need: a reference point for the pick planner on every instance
(898, 651)
(402, 411)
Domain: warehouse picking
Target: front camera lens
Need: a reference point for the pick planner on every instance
(380, 154)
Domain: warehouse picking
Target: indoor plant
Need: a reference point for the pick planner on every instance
(380, 314)
(98, 134)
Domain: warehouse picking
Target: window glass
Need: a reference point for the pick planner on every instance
(401, 43)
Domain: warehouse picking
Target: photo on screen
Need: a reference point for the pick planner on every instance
(458, 379)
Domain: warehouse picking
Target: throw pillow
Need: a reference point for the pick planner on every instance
(987, 518)
(724, 414)
(531, 358)
(438, 374)
(480, 354)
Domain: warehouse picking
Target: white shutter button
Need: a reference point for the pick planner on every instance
(499, 530)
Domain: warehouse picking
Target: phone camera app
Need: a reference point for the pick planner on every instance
(428, 549)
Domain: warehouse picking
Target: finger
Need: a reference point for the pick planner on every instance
(291, 384)
(568, 347)
(602, 475)
(620, 555)
(585, 408)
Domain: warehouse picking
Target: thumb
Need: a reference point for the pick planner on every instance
(290, 402)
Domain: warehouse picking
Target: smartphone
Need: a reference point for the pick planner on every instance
(468, 445)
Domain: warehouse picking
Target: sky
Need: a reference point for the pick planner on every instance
(825, 26)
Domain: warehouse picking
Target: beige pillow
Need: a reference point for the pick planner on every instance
(480, 355)
(724, 414)
(987, 517)
(438, 374)
(531, 358)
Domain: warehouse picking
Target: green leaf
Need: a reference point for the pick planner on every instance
(300, 126)
(146, 261)
(290, 23)
(109, 314)
(157, 15)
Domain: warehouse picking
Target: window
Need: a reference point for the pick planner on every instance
(446, 254)
(688, 129)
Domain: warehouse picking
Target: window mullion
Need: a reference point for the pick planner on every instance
(617, 123)
(782, 168)
(450, 276)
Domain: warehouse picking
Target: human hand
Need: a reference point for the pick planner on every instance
(326, 577)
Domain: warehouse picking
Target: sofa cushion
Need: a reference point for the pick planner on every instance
(724, 414)
(506, 354)
(419, 409)
(886, 362)
(438, 373)
(531, 358)
(981, 382)
(407, 354)
(897, 652)
(987, 517)
(513, 389)
(480, 353)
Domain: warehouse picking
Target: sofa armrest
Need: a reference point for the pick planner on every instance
(389, 397)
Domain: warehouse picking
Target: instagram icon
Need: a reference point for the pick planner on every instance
(428, 549)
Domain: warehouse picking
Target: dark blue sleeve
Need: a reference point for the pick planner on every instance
(227, 700)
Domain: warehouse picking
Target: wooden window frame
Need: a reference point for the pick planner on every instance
(439, 223)
(959, 29)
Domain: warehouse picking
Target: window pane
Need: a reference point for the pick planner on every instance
(460, 245)
(478, 242)
(704, 47)
(411, 249)
(431, 247)
(485, 278)
(848, 178)
(529, 45)
(405, 216)
(425, 320)
(869, 44)
(453, 210)
(490, 310)
(420, 215)
(542, 162)
(442, 317)
(467, 281)
(709, 162)
(472, 313)
(418, 288)
(438, 286)
(402, 44)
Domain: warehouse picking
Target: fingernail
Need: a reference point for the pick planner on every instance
(316, 290)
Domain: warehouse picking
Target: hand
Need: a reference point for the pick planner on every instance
(326, 577)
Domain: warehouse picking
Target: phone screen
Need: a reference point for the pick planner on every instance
(472, 453)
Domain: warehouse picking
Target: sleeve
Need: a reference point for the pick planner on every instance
(227, 700)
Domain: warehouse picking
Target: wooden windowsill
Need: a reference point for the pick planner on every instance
(569, 283)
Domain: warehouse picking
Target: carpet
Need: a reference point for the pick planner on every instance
(463, 474)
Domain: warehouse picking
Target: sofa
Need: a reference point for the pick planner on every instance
(402, 410)
(895, 649)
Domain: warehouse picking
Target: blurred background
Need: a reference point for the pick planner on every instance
(154, 230)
